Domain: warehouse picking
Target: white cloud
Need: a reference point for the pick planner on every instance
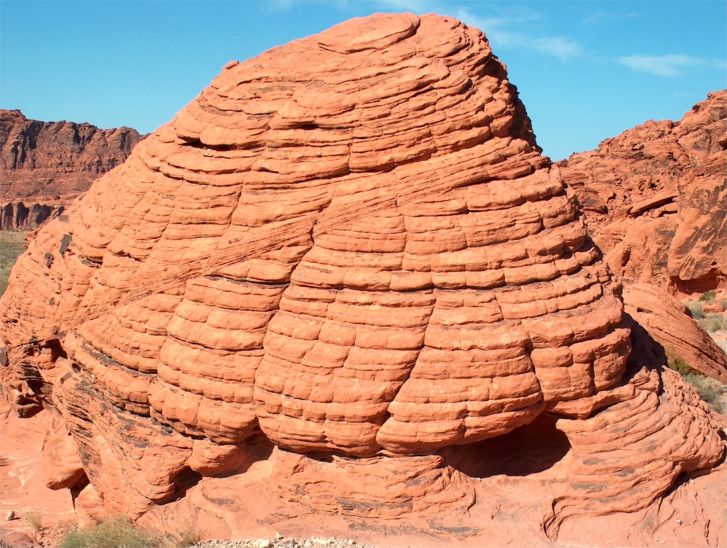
(417, 6)
(563, 48)
(669, 65)
(497, 31)
(604, 16)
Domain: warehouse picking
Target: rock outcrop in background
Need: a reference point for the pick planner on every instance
(44, 165)
(18, 216)
(655, 199)
(345, 281)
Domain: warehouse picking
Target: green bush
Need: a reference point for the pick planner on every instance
(696, 310)
(679, 365)
(707, 297)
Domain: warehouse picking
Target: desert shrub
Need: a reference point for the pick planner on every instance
(118, 531)
(707, 297)
(35, 519)
(713, 322)
(679, 365)
(696, 310)
(708, 389)
(186, 538)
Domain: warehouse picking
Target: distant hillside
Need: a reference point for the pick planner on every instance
(46, 164)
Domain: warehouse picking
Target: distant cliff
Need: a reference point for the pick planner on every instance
(44, 165)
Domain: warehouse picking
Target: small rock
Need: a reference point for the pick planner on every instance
(262, 543)
(10, 516)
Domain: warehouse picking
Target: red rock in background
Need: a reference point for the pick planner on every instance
(655, 198)
(44, 165)
(337, 289)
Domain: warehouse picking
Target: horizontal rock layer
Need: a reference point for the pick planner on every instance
(365, 261)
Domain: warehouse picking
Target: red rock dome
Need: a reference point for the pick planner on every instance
(351, 245)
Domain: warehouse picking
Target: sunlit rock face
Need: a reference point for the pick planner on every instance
(349, 247)
(655, 198)
(44, 165)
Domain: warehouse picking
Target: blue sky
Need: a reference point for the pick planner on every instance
(586, 70)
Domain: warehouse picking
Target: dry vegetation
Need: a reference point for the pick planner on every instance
(11, 246)
(119, 531)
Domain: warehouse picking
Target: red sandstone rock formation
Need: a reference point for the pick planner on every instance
(655, 198)
(19, 216)
(43, 165)
(668, 321)
(333, 276)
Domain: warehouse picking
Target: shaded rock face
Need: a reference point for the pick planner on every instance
(351, 272)
(18, 216)
(43, 165)
(655, 199)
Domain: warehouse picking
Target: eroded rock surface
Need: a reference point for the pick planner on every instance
(44, 165)
(342, 264)
(655, 198)
(668, 321)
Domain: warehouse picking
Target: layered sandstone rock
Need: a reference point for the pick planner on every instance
(351, 248)
(668, 321)
(44, 165)
(655, 198)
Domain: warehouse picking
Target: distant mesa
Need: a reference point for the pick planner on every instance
(344, 289)
(45, 165)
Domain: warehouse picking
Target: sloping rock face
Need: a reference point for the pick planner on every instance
(655, 198)
(43, 165)
(668, 321)
(341, 267)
